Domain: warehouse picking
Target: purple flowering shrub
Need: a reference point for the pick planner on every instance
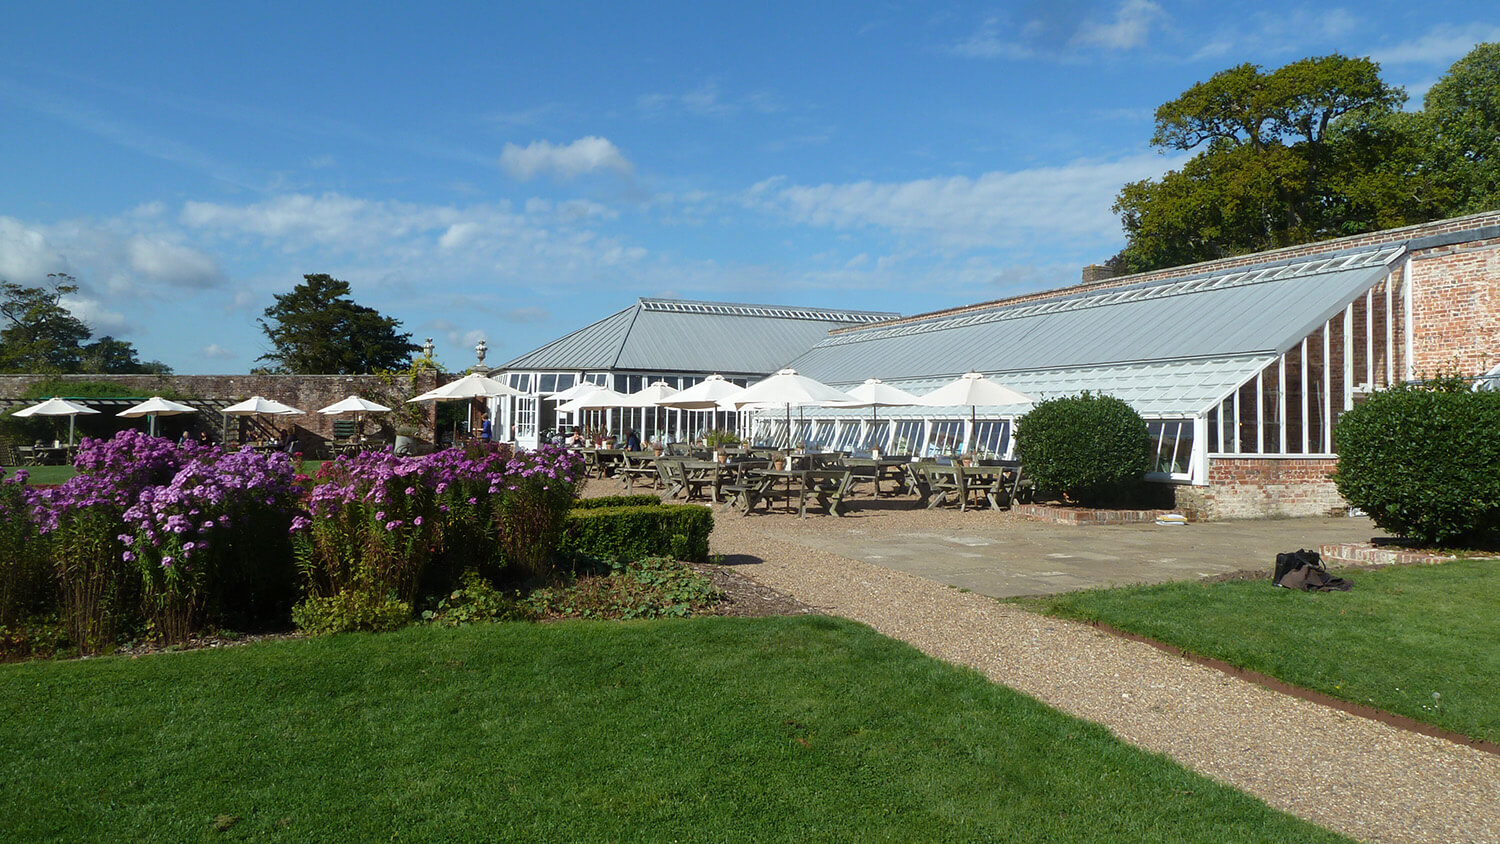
(369, 531)
(147, 526)
(377, 523)
(536, 493)
(23, 574)
(210, 538)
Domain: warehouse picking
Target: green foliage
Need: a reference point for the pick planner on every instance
(318, 330)
(679, 531)
(99, 595)
(41, 335)
(617, 501)
(1463, 109)
(653, 587)
(1420, 460)
(476, 602)
(1091, 448)
(24, 578)
(1312, 150)
(350, 611)
(719, 436)
(529, 524)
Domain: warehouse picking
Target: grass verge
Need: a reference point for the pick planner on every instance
(804, 728)
(1419, 641)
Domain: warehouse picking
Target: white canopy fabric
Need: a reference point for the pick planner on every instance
(471, 386)
(712, 393)
(353, 404)
(57, 407)
(789, 389)
(582, 388)
(258, 404)
(876, 393)
(154, 407)
(54, 407)
(973, 389)
(650, 396)
(598, 398)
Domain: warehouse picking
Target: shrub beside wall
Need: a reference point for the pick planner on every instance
(1421, 460)
(1093, 449)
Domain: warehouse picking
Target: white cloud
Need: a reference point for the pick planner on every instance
(585, 155)
(97, 316)
(26, 254)
(992, 41)
(1128, 30)
(707, 101)
(172, 263)
(213, 351)
(1442, 45)
(994, 209)
(526, 315)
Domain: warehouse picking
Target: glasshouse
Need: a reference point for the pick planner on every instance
(1240, 366)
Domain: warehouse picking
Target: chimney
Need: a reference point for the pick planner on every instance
(1096, 272)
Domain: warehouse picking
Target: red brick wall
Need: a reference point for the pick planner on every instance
(1456, 308)
(307, 392)
(1260, 487)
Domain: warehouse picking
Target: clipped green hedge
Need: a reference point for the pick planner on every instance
(626, 534)
(1420, 460)
(617, 501)
(1091, 448)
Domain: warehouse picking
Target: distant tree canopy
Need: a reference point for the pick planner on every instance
(39, 335)
(1310, 151)
(318, 330)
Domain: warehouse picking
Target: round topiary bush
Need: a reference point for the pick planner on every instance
(1093, 449)
(1421, 460)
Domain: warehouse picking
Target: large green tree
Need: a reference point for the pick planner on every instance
(1463, 112)
(39, 334)
(318, 330)
(1269, 160)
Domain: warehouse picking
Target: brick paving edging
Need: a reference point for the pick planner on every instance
(1084, 516)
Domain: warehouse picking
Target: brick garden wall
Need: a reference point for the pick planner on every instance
(1262, 487)
(307, 392)
(1456, 308)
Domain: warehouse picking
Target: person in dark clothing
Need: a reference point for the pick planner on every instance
(632, 440)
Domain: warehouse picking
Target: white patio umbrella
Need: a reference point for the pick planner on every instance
(650, 396)
(787, 388)
(356, 405)
(874, 393)
(57, 407)
(257, 406)
(154, 407)
(599, 398)
(973, 389)
(712, 393)
(471, 386)
(582, 388)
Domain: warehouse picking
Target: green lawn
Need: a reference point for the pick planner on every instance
(1402, 634)
(57, 474)
(714, 729)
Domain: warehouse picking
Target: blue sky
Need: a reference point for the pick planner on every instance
(486, 170)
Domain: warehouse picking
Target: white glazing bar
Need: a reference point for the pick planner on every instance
(1349, 357)
(1198, 467)
(1303, 391)
(1281, 404)
(1327, 426)
(1370, 339)
(1408, 368)
(1220, 410)
(1390, 343)
(1260, 412)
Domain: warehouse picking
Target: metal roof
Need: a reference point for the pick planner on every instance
(671, 335)
(1233, 321)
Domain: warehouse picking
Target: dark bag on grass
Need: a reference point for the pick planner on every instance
(1303, 569)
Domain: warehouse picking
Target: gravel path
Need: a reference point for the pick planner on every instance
(1358, 777)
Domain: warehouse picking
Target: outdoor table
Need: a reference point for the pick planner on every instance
(879, 469)
(637, 467)
(610, 460)
(776, 476)
(53, 455)
(698, 474)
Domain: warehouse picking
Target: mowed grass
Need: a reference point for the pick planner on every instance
(1419, 641)
(801, 729)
